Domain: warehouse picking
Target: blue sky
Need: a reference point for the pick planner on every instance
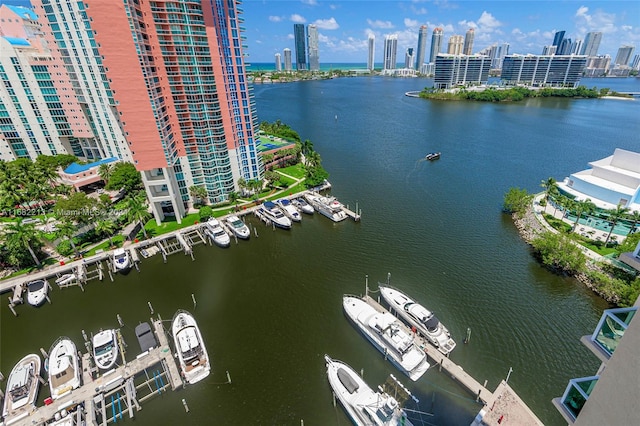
(344, 25)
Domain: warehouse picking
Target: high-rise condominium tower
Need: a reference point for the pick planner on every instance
(422, 46)
(370, 56)
(390, 51)
(467, 49)
(557, 38)
(436, 44)
(288, 65)
(591, 44)
(624, 55)
(278, 62)
(314, 55)
(301, 47)
(167, 81)
(408, 58)
(455, 45)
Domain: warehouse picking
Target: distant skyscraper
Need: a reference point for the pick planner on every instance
(576, 47)
(436, 44)
(624, 55)
(455, 45)
(557, 38)
(390, 51)
(549, 50)
(370, 57)
(422, 46)
(635, 64)
(408, 58)
(278, 62)
(564, 48)
(314, 55)
(288, 66)
(467, 49)
(591, 44)
(301, 47)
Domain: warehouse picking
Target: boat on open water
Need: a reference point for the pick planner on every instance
(64, 367)
(238, 227)
(22, 389)
(192, 354)
(105, 349)
(416, 315)
(432, 156)
(388, 335)
(363, 405)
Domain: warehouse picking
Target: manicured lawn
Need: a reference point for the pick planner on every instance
(296, 171)
(105, 245)
(170, 225)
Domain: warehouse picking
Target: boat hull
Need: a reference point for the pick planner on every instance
(276, 216)
(64, 368)
(37, 292)
(105, 349)
(192, 353)
(327, 206)
(22, 388)
(238, 227)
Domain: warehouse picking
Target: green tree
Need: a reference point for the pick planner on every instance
(23, 236)
(198, 194)
(315, 176)
(516, 200)
(583, 207)
(271, 177)
(233, 198)
(137, 210)
(614, 216)
(77, 207)
(105, 171)
(557, 251)
(548, 186)
(106, 227)
(67, 229)
(205, 213)
(634, 216)
(124, 175)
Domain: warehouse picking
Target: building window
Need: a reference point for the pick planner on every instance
(577, 394)
(611, 328)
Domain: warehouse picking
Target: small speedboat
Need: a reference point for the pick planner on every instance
(192, 354)
(272, 212)
(432, 156)
(238, 227)
(65, 279)
(363, 405)
(302, 204)
(22, 388)
(217, 234)
(105, 349)
(289, 210)
(64, 367)
(37, 292)
(121, 259)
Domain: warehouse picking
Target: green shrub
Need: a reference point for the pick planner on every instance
(64, 248)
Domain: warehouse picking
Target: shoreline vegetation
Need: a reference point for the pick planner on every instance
(561, 252)
(515, 94)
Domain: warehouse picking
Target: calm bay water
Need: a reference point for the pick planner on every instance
(270, 308)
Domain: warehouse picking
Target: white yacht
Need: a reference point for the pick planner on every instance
(22, 389)
(64, 367)
(238, 227)
(37, 292)
(192, 354)
(275, 215)
(327, 206)
(289, 210)
(65, 279)
(302, 204)
(388, 335)
(105, 349)
(121, 259)
(363, 405)
(416, 315)
(215, 231)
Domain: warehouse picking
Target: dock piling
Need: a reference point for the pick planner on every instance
(44, 353)
(120, 320)
(150, 307)
(228, 378)
(184, 403)
(468, 338)
(11, 308)
(40, 379)
(193, 297)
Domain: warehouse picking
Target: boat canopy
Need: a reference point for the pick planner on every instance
(145, 337)
(347, 381)
(432, 323)
(35, 285)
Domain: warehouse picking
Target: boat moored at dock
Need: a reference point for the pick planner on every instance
(289, 209)
(64, 367)
(416, 315)
(121, 260)
(363, 405)
(302, 205)
(22, 388)
(215, 231)
(37, 292)
(192, 353)
(105, 349)
(388, 335)
(327, 206)
(238, 227)
(272, 212)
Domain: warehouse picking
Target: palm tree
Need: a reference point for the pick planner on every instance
(306, 147)
(313, 159)
(67, 229)
(198, 193)
(614, 216)
(25, 234)
(635, 217)
(585, 206)
(233, 198)
(242, 184)
(106, 227)
(105, 171)
(137, 210)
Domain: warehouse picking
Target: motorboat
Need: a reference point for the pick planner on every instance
(121, 259)
(65, 279)
(363, 405)
(192, 354)
(22, 389)
(238, 227)
(416, 315)
(432, 156)
(217, 234)
(37, 292)
(145, 337)
(302, 205)
(272, 212)
(289, 210)
(64, 367)
(388, 335)
(105, 349)
(327, 206)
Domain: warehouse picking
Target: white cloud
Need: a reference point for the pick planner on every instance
(298, 19)
(310, 2)
(488, 22)
(290, 36)
(275, 18)
(597, 21)
(418, 11)
(333, 6)
(411, 23)
(380, 24)
(323, 38)
(327, 24)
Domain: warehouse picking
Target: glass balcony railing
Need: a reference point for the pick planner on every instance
(577, 394)
(611, 328)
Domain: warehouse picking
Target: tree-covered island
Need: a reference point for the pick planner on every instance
(513, 94)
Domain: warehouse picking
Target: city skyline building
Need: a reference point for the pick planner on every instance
(597, 66)
(577, 47)
(300, 46)
(543, 70)
(371, 44)
(176, 93)
(591, 43)
(288, 61)
(436, 43)
(390, 52)
(558, 37)
(549, 50)
(408, 58)
(467, 48)
(278, 62)
(314, 53)
(456, 43)
(453, 70)
(421, 50)
(624, 55)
